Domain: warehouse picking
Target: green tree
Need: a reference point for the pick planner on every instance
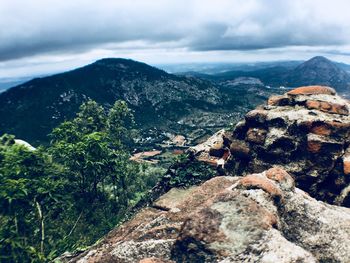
(92, 149)
(73, 192)
(30, 189)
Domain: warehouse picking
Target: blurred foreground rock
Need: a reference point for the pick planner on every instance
(258, 218)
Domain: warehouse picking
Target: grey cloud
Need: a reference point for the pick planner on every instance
(37, 27)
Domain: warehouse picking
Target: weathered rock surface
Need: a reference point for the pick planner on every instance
(258, 218)
(257, 213)
(307, 131)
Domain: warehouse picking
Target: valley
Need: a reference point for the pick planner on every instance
(192, 104)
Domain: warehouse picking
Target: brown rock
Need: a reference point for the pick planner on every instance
(321, 129)
(346, 162)
(240, 149)
(256, 117)
(220, 221)
(323, 145)
(314, 146)
(279, 100)
(240, 130)
(326, 128)
(305, 131)
(281, 176)
(227, 138)
(254, 181)
(339, 125)
(312, 90)
(217, 149)
(256, 135)
(333, 108)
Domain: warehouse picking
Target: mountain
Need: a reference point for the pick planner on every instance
(272, 76)
(318, 71)
(6, 83)
(32, 109)
(192, 104)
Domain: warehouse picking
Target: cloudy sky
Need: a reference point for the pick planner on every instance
(40, 37)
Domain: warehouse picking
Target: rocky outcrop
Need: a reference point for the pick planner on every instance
(258, 218)
(306, 131)
(257, 211)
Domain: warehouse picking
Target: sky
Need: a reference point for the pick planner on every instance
(41, 37)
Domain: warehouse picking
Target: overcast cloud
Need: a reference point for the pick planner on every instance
(39, 36)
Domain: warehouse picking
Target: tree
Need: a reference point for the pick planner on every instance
(72, 192)
(30, 189)
(92, 148)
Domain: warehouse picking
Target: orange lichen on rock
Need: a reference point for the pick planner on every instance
(281, 176)
(278, 174)
(346, 163)
(321, 129)
(311, 90)
(327, 107)
(314, 146)
(256, 181)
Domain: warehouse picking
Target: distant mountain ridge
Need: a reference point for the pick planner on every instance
(316, 71)
(32, 109)
(167, 102)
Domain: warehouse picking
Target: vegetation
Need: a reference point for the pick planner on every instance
(187, 171)
(72, 192)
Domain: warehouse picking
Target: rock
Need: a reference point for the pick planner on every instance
(256, 135)
(327, 107)
(256, 117)
(346, 163)
(280, 100)
(257, 218)
(240, 149)
(312, 90)
(259, 212)
(279, 175)
(214, 151)
(255, 181)
(212, 142)
(217, 149)
(25, 144)
(307, 131)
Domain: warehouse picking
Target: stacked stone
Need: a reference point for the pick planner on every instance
(307, 132)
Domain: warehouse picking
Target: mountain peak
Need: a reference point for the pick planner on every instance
(319, 70)
(147, 90)
(109, 61)
(319, 59)
(127, 66)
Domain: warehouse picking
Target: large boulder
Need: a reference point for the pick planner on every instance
(307, 131)
(257, 218)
